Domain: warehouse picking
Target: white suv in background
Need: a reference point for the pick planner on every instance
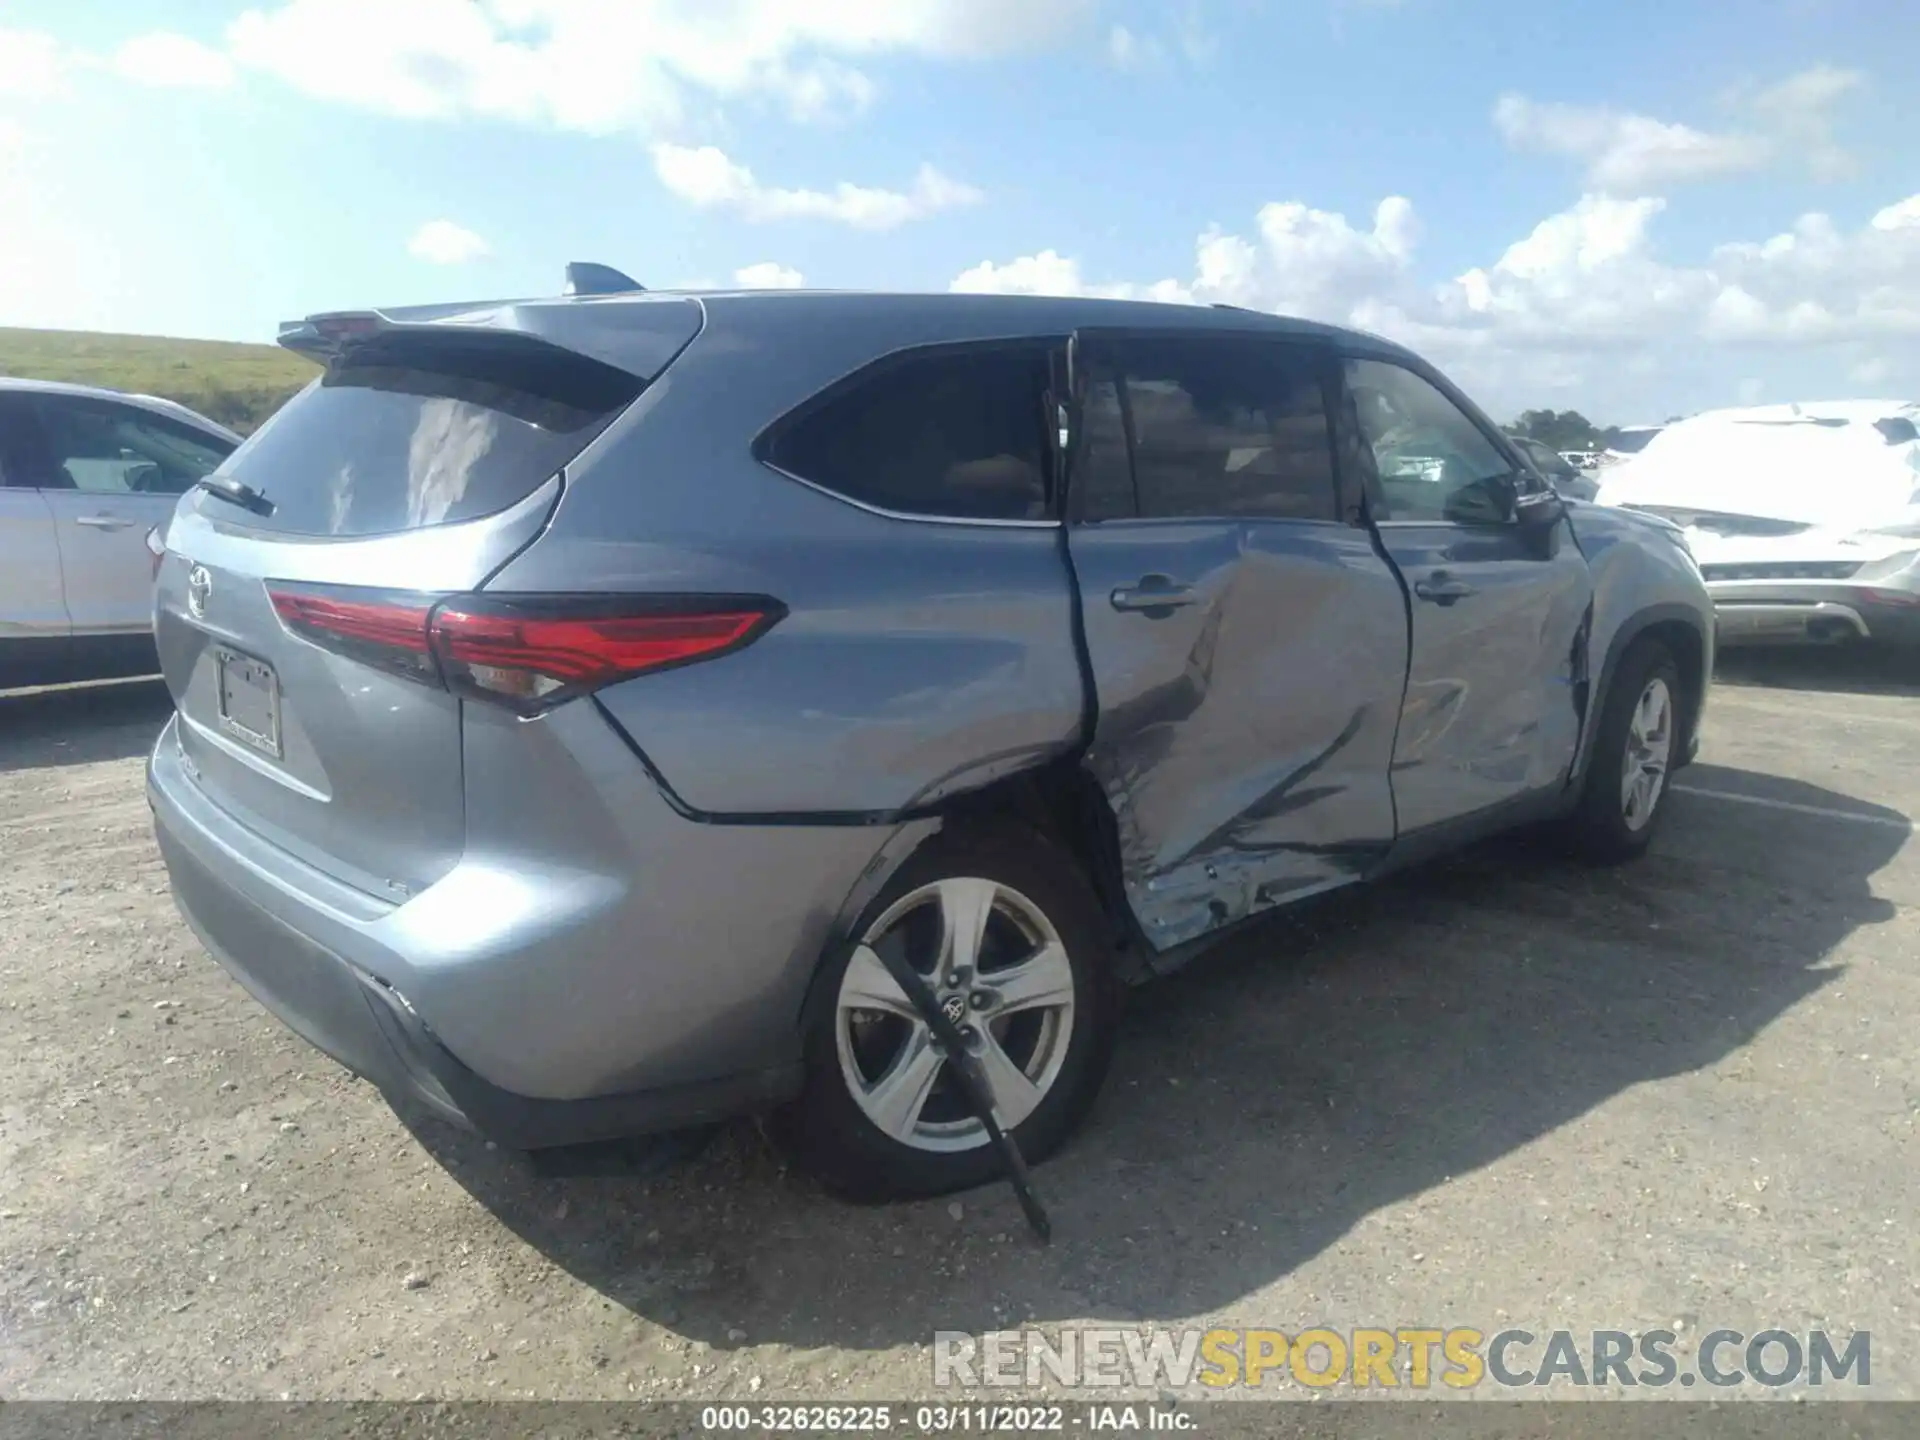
(85, 475)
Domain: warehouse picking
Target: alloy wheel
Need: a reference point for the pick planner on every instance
(1643, 776)
(999, 970)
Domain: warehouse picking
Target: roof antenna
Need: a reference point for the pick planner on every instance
(584, 277)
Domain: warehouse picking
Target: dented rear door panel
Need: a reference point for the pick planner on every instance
(1244, 734)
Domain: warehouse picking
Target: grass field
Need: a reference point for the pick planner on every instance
(238, 385)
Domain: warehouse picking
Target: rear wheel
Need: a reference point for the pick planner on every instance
(1635, 746)
(1004, 928)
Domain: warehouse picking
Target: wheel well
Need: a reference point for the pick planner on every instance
(1063, 802)
(1683, 642)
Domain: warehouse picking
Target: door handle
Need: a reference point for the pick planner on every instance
(102, 522)
(1153, 592)
(1443, 589)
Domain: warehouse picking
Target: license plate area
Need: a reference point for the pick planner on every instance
(249, 700)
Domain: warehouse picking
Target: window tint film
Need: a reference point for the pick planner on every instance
(1229, 427)
(104, 448)
(426, 430)
(1104, 473)
(21, 463)
(1434, 463)
(959, 433)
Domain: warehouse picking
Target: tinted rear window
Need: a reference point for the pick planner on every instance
(960, 433)
(426, 430)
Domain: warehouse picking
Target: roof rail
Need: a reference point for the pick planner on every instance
(584, 277)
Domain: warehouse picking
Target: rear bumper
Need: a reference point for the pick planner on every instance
(668, 1012)
(370, 1028)
(1748, 612)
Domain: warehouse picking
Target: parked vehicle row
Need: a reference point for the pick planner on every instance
(586, 705)
(85, 476)
(1805, 518)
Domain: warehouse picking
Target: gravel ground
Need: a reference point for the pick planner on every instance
(1504, 1091)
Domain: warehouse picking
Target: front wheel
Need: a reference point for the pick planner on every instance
(1635, 746)
(1005, 929)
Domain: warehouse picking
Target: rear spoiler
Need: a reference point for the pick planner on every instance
(634, 344)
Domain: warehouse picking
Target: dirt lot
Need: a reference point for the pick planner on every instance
(1504, 1092)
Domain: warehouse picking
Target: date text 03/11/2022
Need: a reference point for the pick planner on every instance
(944, 1419)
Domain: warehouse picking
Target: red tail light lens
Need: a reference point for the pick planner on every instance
(386, 629)
(534, 652)
(526, 652)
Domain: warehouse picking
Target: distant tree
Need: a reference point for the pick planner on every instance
(1560, 430)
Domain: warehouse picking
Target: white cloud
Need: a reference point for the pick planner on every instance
(706, 178)
(1306, 262)
(1128, 50)
(441, 242)
(1903, 216)
(31, 65)
(768, 275)
(598, 67)
(1790, 121)
(1624, 152)
(1583, 298)
(166, 59)
(1798, 112)
(1870, 371)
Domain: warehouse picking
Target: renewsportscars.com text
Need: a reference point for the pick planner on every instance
(1405, 1357)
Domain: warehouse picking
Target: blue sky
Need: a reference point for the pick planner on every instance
(1636, 208)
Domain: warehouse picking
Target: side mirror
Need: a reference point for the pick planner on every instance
(1539, 509)
(1492, 501)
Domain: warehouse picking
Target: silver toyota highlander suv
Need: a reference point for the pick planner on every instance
(585, 705)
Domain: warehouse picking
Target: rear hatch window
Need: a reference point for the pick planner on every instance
(415, 429)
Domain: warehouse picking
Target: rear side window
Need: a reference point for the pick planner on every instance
(959, 433)
(410, 431)
(1225, 428)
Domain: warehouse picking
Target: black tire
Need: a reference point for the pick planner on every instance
(1599, 828)
(826, 1129)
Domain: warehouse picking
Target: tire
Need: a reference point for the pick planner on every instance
(1038, 896)
(1606, 827)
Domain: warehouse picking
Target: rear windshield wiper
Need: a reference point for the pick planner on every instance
(237, 491)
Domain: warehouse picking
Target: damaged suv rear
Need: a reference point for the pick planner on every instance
(586, 706)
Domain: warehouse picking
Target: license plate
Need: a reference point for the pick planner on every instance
(249, 700)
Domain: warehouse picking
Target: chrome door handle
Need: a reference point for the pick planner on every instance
(1443, 589)
(1153, 592)
(102, 522)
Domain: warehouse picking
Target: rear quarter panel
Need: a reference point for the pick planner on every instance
(918, 658)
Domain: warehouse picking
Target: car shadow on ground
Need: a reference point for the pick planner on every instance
(1837, 669)
(80, 724)
(1338, 1059)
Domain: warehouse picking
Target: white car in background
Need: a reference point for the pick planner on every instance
(1804, 519)
(85, 476)
(1629, 441)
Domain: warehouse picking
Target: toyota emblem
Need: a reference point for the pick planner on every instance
(199, 589)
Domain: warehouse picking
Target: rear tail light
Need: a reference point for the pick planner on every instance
(528, 652)
(386, 629)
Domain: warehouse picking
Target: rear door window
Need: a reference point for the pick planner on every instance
(1225, 428)
(417, 430)
(957, 432)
